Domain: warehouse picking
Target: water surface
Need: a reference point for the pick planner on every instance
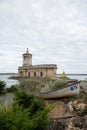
(9, 82)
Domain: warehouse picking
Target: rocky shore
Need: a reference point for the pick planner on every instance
(67, 114)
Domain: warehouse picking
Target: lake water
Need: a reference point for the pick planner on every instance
(10, 82)
(77, 76)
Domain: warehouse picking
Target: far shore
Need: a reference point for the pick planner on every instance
(8, 73)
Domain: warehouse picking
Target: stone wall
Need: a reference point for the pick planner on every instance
(38, 71)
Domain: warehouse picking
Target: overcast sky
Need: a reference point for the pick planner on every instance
(55, 31)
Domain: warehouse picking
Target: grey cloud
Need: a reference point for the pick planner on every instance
(54, 31)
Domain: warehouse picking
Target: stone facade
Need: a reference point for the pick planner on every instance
(30, 71)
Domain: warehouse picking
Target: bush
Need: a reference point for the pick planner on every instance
(34, 85)
(27, 113)
(29, 101)
(23, 99)
(29, 85)
(13, 89)
(59, 84)
(2, 86)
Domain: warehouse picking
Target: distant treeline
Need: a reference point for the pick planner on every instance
(73, 74)
(8, 73)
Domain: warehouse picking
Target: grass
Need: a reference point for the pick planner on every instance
(59, 84)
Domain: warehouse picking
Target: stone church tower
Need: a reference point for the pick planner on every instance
(27, 58)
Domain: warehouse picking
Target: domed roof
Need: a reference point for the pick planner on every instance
(27, 52)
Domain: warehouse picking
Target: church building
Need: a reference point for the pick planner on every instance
(28, 70)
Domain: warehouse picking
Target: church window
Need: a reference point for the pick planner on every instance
(34, 74)
(29, 74)
(41, 74)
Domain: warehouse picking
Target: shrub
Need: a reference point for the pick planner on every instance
(13, 89)
(2, 86)
(27, 113)
(59, 84)
(23, 99)
(29, 85)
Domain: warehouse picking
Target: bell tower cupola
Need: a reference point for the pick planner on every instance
(27, 58)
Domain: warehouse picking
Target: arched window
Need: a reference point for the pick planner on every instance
(29, 74)
(41, 74)
(21, 73)
(34, 74)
